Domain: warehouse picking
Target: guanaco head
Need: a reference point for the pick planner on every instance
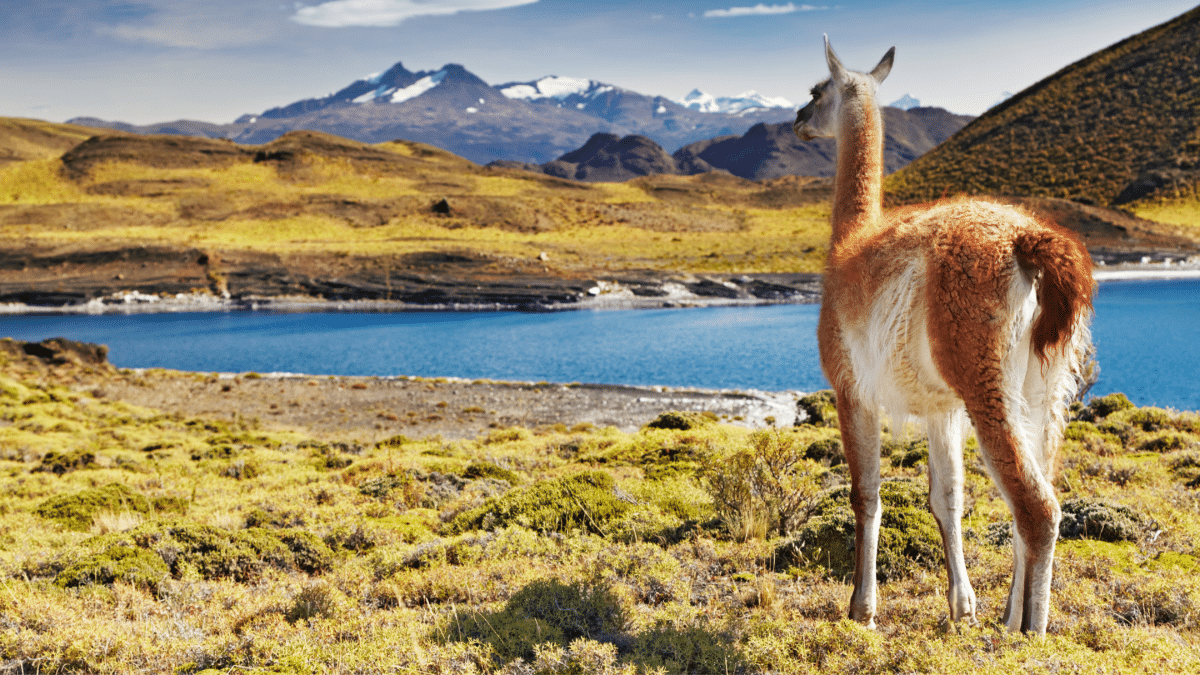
(819, 119)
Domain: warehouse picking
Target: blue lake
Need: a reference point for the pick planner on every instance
(1147, 334)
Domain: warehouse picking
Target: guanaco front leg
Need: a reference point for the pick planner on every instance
(860, 438)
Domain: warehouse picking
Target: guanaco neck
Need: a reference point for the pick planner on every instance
(858, 188)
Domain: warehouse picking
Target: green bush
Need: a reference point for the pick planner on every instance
(309, 553)
(769, 487)
(209, 552)
(1087, 518)
(129, 564)
(313, 601)
(652, 574)
(75, 511)
(1092, 439)
(1169, 441)
(682, 421)
(1103, 406)
(690, 649)
(489, 470)
(907, 453)
(819, 408)
(827, 451)
(586, 501)
(62, 462)
(379, 486)
(908, 534)
(1149, 418)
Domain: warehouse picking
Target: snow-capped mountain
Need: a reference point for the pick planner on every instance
(741, 104)
(905, 102)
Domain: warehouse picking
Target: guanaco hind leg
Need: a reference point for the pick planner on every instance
(946, 502)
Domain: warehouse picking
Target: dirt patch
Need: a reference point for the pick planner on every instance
(369, 409)
(376, 408)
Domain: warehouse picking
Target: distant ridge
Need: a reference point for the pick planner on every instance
(1120, 125)
(764, 152)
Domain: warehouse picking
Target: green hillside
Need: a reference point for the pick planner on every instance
(1116, 127)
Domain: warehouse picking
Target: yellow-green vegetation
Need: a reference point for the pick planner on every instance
(311, 193)
(1085, 133)
(1182, 210)
(134, 541)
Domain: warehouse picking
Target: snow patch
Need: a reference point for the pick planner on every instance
(743, 103)
(472, 110)
(376, 93)
(419, 87)
(522, 91)
(556, 87)
(562, 87)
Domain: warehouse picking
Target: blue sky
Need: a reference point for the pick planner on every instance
(146, 61)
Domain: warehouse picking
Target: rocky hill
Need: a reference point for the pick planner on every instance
(1118, 126)
(452, 109)
(764, 152)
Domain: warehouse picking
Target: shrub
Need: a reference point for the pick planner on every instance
(907, 453)
(1092, 439)
(583, 501)
(476, 470)
(690, 649)
(546, 611)
(309, 553)
(1168, 441)
(580, 657)
(75, 511)
(1146, 419)
(908, 534)
(682, 421)
(1104, 406)
(647, 570)
(772, 480)
(315, 600)
(60, 463)
(354, 538)
(379, 486)
(188, 547)
(827, 451)
(819, 408)
(1087, 518)
(129, 564)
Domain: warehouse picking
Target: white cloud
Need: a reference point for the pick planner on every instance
(759, 10)
(383, 13)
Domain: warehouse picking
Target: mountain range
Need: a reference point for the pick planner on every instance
(535, 121)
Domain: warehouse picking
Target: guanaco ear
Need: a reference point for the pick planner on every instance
(885, 66)
(836, 69)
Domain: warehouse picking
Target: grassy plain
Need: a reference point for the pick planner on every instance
(342, 198)
(140, 541)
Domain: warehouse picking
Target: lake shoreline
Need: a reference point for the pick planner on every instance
(640, 291)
